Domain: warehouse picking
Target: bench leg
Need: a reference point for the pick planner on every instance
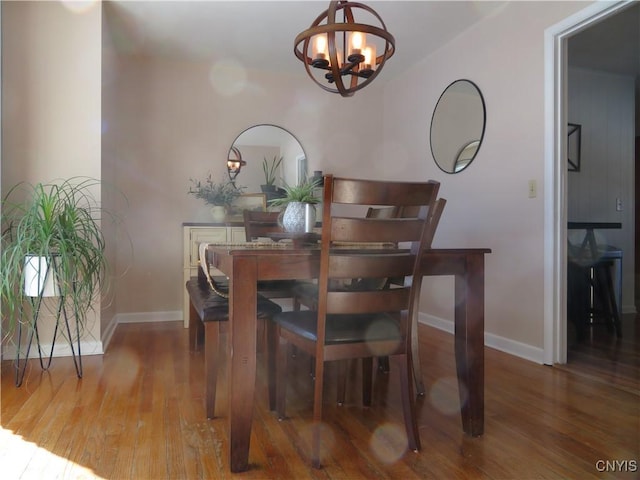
(196, 329)
(211, 359)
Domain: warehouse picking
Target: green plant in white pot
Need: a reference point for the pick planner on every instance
(299, 212)
(219, 195)
(52, 246)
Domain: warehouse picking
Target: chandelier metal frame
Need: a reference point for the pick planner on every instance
(352, 68)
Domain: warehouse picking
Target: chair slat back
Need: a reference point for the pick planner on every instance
(384, 193)
(368, 301)
(260, 224)
(367, 267)
(376, 230)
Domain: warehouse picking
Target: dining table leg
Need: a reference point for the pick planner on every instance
(469, 343)
(242, 358)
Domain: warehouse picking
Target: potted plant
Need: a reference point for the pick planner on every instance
(220, 195)
(270, 168)
(299, 200)
(52, 246)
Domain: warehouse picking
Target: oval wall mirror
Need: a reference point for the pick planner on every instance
(260, 142)
(457, 126)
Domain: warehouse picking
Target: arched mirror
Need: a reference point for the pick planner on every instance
(457, 126)
(261, 143)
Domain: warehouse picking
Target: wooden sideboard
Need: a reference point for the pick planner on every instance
(192, 235)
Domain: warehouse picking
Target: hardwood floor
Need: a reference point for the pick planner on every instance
(138, 413)
(604, 357)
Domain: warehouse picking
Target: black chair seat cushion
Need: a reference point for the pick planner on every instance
(341, 328)
(212, 307)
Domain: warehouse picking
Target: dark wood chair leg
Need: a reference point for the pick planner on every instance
(342, 381)
(408, 407)
(383, 364)
(283, 354)
(317, 413)
(272, 354)
(367, 380)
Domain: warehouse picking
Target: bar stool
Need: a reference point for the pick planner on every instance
(591, 290)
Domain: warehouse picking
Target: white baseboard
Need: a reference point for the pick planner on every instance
(506, 345)
(108, 332)
(92, 347)
(147, 317)
(61, 349)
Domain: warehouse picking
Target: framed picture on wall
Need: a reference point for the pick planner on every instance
(248, 201)
(574, 133)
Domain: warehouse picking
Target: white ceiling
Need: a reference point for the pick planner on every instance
(260, 34)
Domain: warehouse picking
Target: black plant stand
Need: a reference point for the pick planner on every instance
(36, 304)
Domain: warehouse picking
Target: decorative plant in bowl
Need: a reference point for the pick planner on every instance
(299, 212)
(52, 246)
(220, 195)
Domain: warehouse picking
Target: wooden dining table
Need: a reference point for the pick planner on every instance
(245, 264)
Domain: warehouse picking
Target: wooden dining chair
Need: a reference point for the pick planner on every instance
(366, 321)
(258, 224)
(307, 293)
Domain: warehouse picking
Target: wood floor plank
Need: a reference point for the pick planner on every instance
(138, 413)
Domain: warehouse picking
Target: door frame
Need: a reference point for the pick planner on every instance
(555, 173)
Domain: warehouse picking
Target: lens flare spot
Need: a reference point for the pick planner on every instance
(228, 77)
(327, 438)
(378, 330)
(444, 395)
(389, 443)
(125, 373)
(78, 6)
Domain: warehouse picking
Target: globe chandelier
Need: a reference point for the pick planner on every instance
(338, 53)
(234, 164)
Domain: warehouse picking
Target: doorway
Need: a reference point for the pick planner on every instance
(556, 215)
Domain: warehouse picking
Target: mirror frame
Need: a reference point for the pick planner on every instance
(461, 161)
(295, 163)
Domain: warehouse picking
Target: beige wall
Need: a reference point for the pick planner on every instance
(116, 243)
(171, 124)
(488, 204)
(51, 85)
(167, 122)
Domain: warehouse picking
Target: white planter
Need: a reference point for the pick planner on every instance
(39, 278)
(299, 217)
(218, 213)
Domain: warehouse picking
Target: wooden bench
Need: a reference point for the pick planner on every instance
(208, 313)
